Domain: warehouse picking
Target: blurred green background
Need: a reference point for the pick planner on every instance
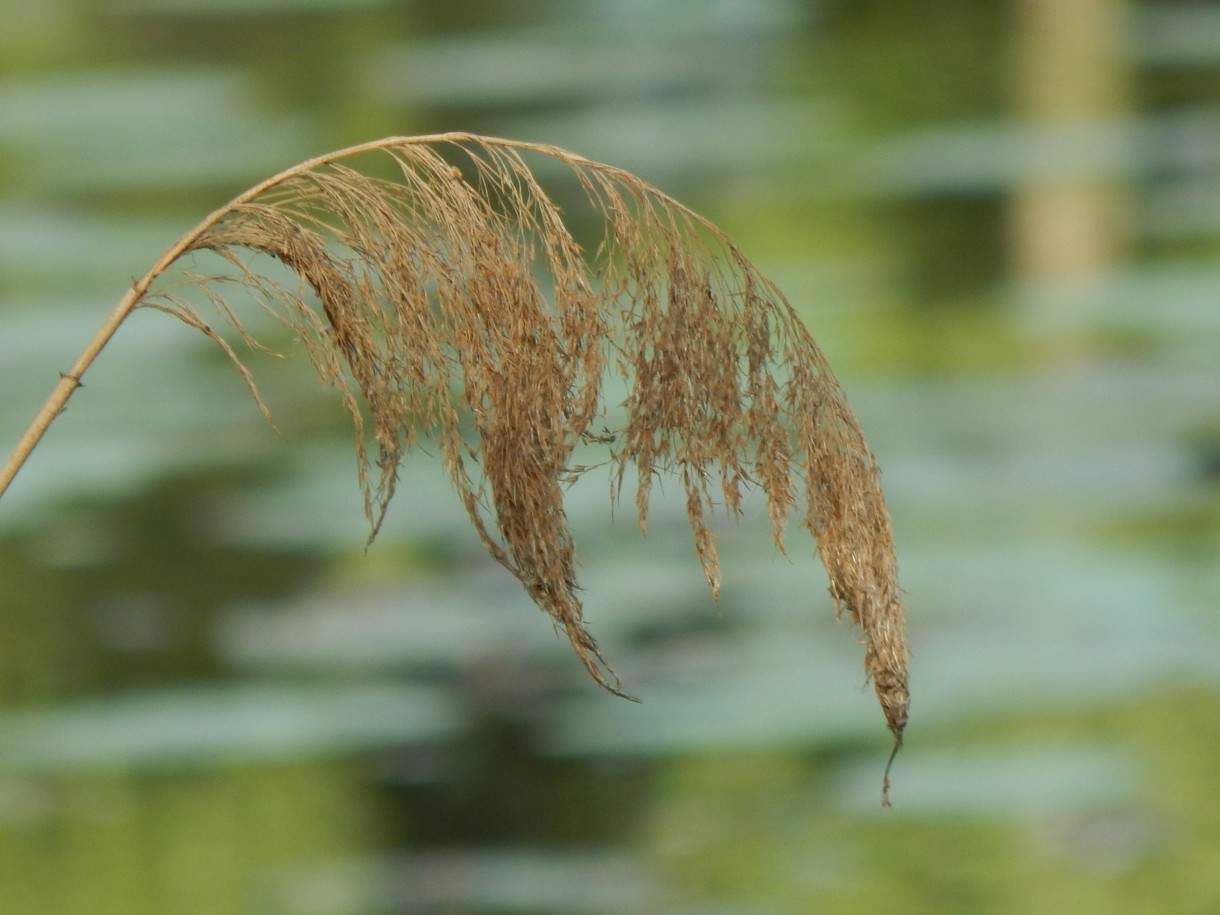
(1001, 221)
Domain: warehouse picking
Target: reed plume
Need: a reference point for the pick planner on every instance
(447, 297)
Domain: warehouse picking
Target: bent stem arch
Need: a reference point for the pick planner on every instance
(72, 379)
(453, 300)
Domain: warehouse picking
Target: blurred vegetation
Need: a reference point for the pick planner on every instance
(211, 701)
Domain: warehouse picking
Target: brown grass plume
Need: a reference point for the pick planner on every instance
(456, 304)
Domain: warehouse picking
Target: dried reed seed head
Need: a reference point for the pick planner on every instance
(457, 303)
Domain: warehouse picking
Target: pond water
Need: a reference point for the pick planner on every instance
(214, 699)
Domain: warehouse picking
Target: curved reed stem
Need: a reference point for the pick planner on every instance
(68, 383)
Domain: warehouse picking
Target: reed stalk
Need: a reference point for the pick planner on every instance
(452, 301)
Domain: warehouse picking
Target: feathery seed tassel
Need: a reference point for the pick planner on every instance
(457, 305)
